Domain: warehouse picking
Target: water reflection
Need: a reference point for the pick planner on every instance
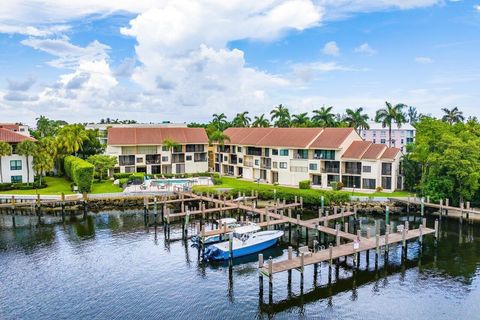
(163, 255)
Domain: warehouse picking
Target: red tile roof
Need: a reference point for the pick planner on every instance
(356, 150)
(374, 151)
(12, 137)
(155, 136)
(10, 126)
(390, 153)
(331, 138)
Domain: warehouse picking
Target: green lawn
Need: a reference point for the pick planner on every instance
(238, 183)
(57, 185)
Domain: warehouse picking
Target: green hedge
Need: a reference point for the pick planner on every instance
(305, 184)
(80, 172)
(121, 175)
(22, 186)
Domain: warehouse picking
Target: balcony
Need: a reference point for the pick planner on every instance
(126, 160)
(178, 158)
(352, 168)
(195, 148)
(200, 157)
(248, 164)
(153, 159)
(331, 167)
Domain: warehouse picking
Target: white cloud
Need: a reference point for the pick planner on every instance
(33, 31)
(22, 85)
(423, 60)
(331, 48)
(477, 7)
(365, 49)
(69, 55)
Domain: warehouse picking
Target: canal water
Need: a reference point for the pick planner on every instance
(110, 266)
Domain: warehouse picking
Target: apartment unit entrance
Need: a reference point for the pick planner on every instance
(274, 176)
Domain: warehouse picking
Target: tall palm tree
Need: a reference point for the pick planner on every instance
(324, 117)
(390, 115)
(412, 115)
(70, 138)
(219, 137)
(356, 119)
(27, 149)
(241, 120)
(453, 115)
(5, 150)
(280, 116)
(260, 122)
(300, 120)
(220, 121)
(42, 162)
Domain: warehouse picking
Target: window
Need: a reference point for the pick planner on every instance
(409, 140)
(275, 164)
(16, 179)
(15, 165)
(165, 148)
(369, 184)
(239, 149)
(129, 150)
(164, 159)
(126, 160)
(386, 169)
(382, 141)
(147, 149)
(188, 158)
(324, 154)
(266, 152)
(256, 162)
(129, 169)
(367, 169)
(302, 154)
(313, 166)
(374, 141)
(195, 148)
(284, 152)
(139, 160)
(401, 141)
(351, 181)
(152, 159)
(274, 152)
(283, 165)
(387, 183)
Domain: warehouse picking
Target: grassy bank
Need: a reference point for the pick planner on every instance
(57, 185)
(311, 196)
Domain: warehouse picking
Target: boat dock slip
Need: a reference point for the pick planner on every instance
(443, 205)
(341, 251)
(227, 230)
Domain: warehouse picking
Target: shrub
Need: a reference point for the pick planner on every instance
(121, 175)
(122, 182)
(5, 186)
(339, 185)
(379, 189)
(305, 184)
(333, 184)
(80, 172)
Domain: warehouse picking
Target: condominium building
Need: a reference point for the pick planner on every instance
(400, 136)
(142, 149)
(16, 127)
(321, 155)
(14, 167)
(103, 127)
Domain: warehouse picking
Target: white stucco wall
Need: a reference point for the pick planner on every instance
(7, 173)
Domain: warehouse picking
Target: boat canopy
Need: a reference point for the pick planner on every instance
(247, 229)
(228, 221)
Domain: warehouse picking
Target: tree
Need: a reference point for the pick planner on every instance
(356, 119)
(301, 120)
(170, 144)
(91, 145)
(324, 117)
(390, 115)
(102, 163)
(27, 148)
(5, 150)
(280, 116)
(260, 122)
(70, 138)
(47, 127)
(220, 121)
(42, 163)
(218, 137)
(412, 115)
(453, 115)
(241, 120)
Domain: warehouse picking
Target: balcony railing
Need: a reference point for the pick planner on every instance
(353, 171)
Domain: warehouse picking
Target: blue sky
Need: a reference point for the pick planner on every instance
(184, 60)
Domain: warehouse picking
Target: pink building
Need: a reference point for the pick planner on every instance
(400, 136)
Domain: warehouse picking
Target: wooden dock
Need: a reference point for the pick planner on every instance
(336, 252)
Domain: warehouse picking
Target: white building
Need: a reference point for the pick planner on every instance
(14, 167)
(140, 149)
(400, 136)
(103, 127)
(16, 127)
(321, 155)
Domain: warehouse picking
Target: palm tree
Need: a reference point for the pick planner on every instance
(27, 149)
(241, 120)
(281, 115)
(389, 115)
(220, 121)
(453, 115)
(412, 115)
(218, 136)
(300, 120)
(5, 150)
(356, 119)
(170, 144)
(260, 122)
(324, 117)
(42, 162)
(70, 138)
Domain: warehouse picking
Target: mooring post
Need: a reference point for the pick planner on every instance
(230, 246)
(330, 255)
(422, 206)
(387, 215)
(346, 227)
(301, 203)
(420, 237)
(387, 233)
(337, 236)
(424, 222)
(436, 229)
(63, 206)
(322, 203)
(270, 277)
